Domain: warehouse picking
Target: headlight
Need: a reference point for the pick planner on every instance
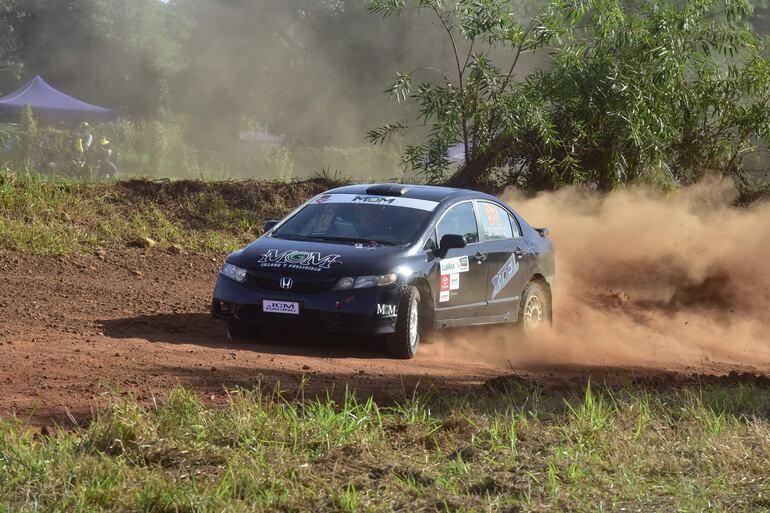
(362, 282)
(233, 272)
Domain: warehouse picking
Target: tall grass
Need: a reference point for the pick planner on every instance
(577, 450)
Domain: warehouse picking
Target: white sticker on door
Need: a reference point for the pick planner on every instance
(454, 281)
(454, 265)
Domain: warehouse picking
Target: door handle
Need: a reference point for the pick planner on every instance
(479, 257)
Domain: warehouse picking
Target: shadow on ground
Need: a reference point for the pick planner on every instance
(202, 329)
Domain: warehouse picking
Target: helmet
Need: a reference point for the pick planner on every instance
(104, 141)
(84, 124)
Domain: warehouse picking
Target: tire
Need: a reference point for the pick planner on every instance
(534, 309)
(404, 342)
(239, 330)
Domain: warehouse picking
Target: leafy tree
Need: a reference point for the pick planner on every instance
(10, 15)
(629, 92)
(119, 53)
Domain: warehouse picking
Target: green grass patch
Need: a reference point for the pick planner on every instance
(526, 449)
(64, 216)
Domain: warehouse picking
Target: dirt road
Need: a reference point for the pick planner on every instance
(74, 330)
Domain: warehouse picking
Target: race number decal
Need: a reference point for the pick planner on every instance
(493, 216)
(504, 275)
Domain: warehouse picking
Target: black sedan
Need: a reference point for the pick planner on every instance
(393, 260)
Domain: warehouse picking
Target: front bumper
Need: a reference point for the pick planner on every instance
(371, 310)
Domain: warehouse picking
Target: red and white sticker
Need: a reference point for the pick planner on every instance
(446, 285)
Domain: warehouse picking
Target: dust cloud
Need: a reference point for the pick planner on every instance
(675, 282)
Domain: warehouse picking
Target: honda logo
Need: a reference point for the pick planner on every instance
(287, 283)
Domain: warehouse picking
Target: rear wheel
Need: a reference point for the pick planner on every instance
(239, 330)
(403, 343)
(535, 308)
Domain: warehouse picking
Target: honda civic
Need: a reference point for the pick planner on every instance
(391, 260)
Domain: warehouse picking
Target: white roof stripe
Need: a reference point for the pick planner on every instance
(370, 199)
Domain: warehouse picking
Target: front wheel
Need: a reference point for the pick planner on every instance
(403, 343)
(535, 309)
(239, 330)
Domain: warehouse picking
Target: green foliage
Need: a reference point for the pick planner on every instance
(65, 215)
(696, 449)
(629, 91)
(27, 136)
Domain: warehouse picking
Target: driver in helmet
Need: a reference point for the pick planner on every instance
(371, 221)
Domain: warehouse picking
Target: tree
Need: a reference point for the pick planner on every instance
(10, 15)
(628, 92)
(118, 53)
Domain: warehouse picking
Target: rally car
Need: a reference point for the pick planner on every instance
(393, 260)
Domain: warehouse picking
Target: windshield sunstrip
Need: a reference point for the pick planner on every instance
(366, 199)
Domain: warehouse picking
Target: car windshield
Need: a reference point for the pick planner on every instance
(346, 222)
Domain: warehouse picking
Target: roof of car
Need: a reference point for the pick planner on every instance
(423, 192)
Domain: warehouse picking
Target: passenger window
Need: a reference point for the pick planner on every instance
(431, 244)
(515, 226)
(495, 222)
(460, 220)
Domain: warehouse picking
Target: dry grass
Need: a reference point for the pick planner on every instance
(59, 217)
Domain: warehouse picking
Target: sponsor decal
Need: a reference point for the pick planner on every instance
(446, 284)
(301, 260)
(365, 199)
(386, 310)
(282, 307)
(376, 200)
(454, 281)
(454, 265)
(504, 275)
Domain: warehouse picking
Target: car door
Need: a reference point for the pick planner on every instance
(461, 278)
(509, 255)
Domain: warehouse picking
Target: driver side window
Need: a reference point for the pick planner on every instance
(460, 220)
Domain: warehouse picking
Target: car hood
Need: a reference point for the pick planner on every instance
(267, 255)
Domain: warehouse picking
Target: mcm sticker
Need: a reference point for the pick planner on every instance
(374, 200)
(454, 265)
(504, 275)
(386, 310)
(302, 260)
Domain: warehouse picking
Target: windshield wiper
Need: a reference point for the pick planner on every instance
(326, 238)
(292, 237)
(351, 240)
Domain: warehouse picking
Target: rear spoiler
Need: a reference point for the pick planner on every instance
(542, 231)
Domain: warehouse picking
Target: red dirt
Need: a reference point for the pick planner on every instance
(75, 330)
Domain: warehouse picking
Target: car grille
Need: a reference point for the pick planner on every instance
(303, 284)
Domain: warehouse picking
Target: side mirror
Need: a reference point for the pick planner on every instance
(542, 231)
(269, 225)
(450, 241)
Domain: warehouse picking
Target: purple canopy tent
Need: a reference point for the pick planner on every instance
(48, 104)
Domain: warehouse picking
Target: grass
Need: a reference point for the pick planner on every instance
(61, 216)
(627, 448)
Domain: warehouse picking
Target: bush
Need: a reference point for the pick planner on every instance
(631, 90)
